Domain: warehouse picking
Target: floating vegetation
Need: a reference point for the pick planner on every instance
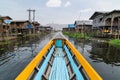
(76, 35)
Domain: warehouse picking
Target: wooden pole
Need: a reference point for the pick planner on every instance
(112, 25)
(118, 26)
(29, 16)
(34, 21)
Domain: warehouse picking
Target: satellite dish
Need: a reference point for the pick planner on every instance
(7, 21)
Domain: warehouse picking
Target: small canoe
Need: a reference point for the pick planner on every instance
(59, 60)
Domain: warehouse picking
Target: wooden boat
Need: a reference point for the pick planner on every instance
(59, 60)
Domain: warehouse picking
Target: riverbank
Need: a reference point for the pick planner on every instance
(7, 38)
(115, 42)
(77, 35)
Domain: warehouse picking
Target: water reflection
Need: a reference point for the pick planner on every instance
(5, 53)
(105, 59)
(103, 52)
(98, 51)
(16, 55)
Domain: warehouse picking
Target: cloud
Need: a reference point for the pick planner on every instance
(54, 3)
(67, 4)
(15, 7)
(84, 14)
(85, 10)
(104, 5)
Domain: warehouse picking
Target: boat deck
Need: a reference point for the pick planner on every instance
(59, 60)
(59, 70)
(59, 64)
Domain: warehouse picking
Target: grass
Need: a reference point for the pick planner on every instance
(76, 35)
(4, 42)
(115, 42)
(32, 35)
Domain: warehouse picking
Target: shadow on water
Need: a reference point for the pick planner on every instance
(16, 55)
(103, 52)
(5, 53)
(104, 58)
(21, 44)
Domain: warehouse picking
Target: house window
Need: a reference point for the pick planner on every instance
(100, 19)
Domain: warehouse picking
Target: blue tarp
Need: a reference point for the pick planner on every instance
(71, 26)
(29, 26)
(7, 21)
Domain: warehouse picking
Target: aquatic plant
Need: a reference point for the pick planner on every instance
(76, 35)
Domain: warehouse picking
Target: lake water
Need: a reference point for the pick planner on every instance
(105, 59)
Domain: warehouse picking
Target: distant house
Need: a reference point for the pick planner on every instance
(65, 29)
(41, 28)
(46, 29)
(107, 21)
(36, 26)
(83, 25)
(21, 26)
(5, 25)
(71, 27)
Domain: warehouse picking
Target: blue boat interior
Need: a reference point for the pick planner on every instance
(59, 43)
(59, 63)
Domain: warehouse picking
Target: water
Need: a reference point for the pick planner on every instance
(104, 58)
(15, 56)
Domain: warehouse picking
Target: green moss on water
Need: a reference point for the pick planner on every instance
(76, 35)
(115, 42)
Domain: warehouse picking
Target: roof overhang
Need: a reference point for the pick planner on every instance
(96, 14)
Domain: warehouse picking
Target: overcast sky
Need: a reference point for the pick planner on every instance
(56, 11)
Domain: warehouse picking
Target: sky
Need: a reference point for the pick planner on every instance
(56, 11)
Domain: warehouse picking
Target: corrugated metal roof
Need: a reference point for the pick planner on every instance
(103, 13)
(71, 26)
(81, 22)
(19, 21)
(4, 17)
